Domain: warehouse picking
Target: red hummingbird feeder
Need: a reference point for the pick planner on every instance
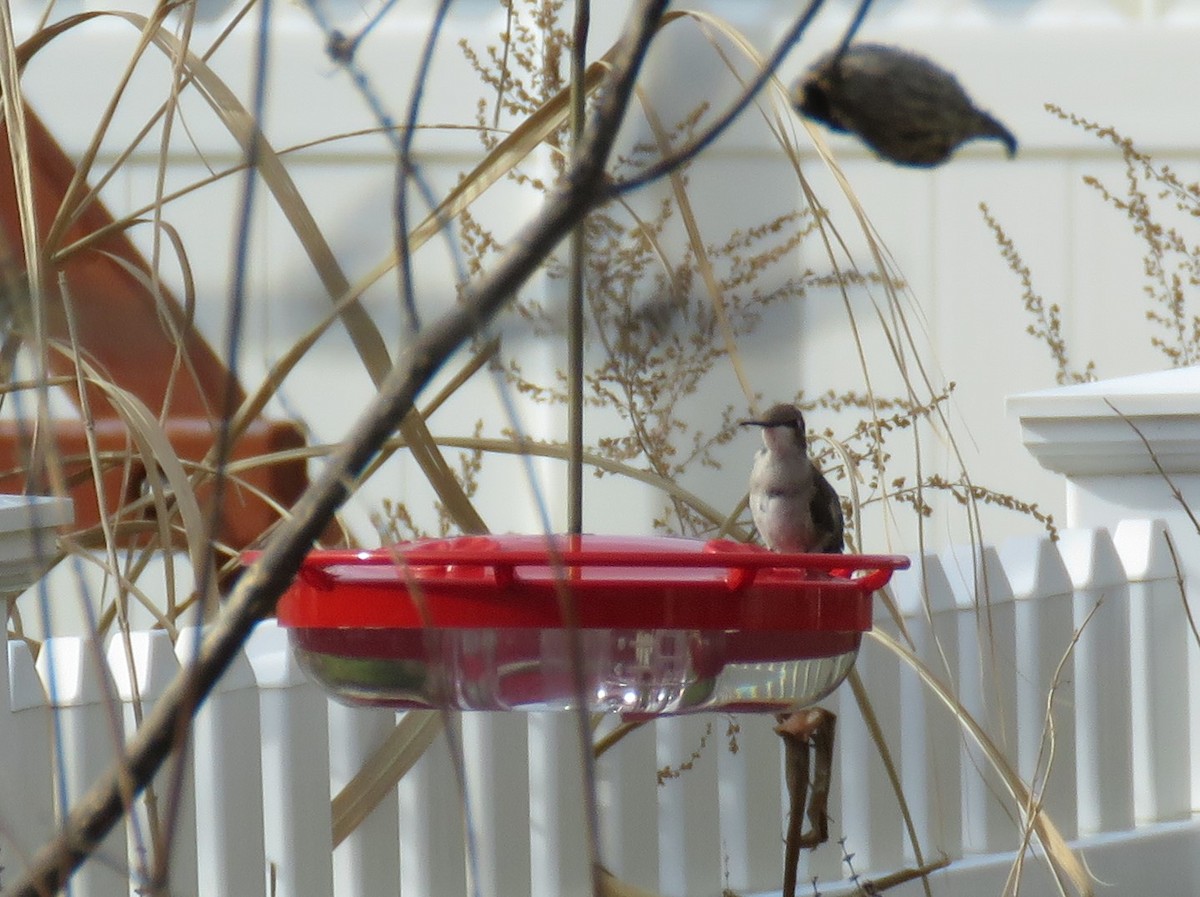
(639, 625)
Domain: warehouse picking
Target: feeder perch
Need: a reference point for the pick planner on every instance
(642, 626)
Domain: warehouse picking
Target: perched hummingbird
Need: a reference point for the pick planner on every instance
(898, 103)
(793, 505)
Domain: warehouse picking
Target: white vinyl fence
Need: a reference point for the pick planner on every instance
(269, 750)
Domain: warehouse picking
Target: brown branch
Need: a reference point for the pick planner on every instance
(254, 597)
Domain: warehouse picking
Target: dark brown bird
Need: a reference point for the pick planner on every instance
(898, 103)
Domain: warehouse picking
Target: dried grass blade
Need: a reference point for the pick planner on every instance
(382, 770)
(244, 129)
(89, 423)
(76, 196)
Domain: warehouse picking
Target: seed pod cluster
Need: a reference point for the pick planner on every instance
(903, 106)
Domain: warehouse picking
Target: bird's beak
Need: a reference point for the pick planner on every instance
(751, 423)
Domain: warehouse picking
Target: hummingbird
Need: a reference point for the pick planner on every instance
(793, 506)
(903, 106)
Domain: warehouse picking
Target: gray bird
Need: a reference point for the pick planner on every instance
(793, 505)
(903, 106)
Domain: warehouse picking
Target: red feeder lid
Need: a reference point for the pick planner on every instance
(602, 582)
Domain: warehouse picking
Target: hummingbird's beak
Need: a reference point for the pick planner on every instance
(752, 423)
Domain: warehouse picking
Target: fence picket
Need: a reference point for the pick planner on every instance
(367, 862)
(871, 812)
(751, 803)
(87, 739)
(825, 863)
(295, 768)
(432, 854)
(141, 669)
(1162, 775)
(496, 761)
(1102, 681)
(227, 771)
(1044, 599)
(930, 756)
(691, 859)
(628, 800)
(987, 686)
(558, 850)
(26, 789)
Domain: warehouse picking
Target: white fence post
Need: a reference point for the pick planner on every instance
(141, 670)
(1158, 642)
(86, 740)
(27, 795)
(227, 766)
(1102, 683)
(297, 832)
(930, 752)
(987, 688)
(1044, 606)
(367, 862)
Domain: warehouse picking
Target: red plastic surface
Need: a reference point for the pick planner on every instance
(598, 581)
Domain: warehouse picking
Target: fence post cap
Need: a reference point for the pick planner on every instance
(1093, 428)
